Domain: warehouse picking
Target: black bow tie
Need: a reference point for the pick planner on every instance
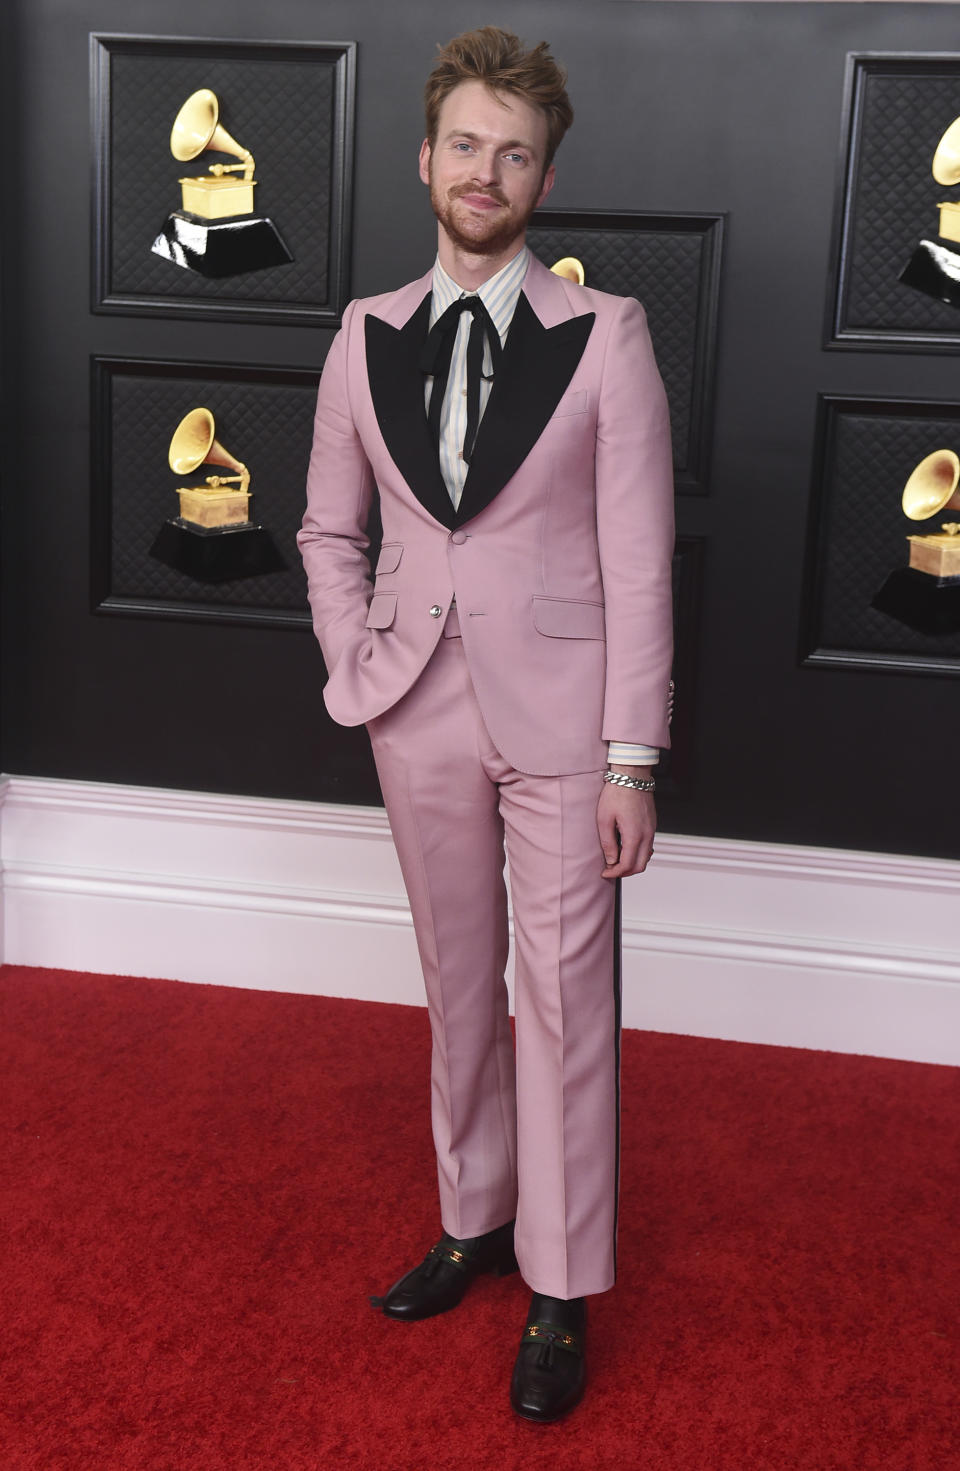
(437, 355)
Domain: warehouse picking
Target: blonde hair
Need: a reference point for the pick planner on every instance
(497, 59)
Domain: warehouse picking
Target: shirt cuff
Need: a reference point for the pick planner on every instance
(622, 753)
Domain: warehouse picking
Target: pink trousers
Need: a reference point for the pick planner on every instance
(531, 1131)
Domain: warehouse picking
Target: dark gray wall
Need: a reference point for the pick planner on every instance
(696, 107)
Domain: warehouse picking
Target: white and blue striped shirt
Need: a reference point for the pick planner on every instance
(499, 296)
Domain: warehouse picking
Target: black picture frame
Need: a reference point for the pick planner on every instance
(129, 438)
(131, 76)
(864, 450)
(645, 254)
(892, 118)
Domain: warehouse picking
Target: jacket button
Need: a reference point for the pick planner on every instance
(436, 610)
(458, 538)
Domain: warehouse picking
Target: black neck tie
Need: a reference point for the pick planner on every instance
(438, 353)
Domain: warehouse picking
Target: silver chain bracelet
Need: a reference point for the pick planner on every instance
(636, 783)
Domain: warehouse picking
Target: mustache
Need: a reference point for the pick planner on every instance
(459, 190)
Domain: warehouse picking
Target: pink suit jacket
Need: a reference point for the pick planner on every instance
(559, 553)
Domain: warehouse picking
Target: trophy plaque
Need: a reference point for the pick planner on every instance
(216, 232)
(934, 267)
(213, 539)
(925, 595)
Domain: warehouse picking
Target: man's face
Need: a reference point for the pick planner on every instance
(485, 169)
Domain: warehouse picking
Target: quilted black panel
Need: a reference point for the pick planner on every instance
(666, 270)
(901, 109)
(862, 532)
(276, 103)
(265, 424)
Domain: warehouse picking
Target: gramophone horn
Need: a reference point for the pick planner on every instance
(197, 127)
(193, 445)
(946, 160)
(933, 486)
(570, 268)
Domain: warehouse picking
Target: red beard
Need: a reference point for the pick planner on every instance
(473, 233)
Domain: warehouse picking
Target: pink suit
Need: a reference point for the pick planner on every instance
(559, 558)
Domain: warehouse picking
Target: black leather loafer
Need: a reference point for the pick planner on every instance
(442, 1278)
(550, 1373)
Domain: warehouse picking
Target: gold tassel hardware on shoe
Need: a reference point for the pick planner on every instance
(449, 1254)
(549, 1340)
(563, 1340)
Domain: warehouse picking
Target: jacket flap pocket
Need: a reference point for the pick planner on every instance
(571, 403)
(568, 618)
(389, 558)
(382, 610)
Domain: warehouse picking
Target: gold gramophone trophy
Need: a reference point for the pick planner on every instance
(570, 269)
(934, 267)
(216, 232)
(213, 538)
(215, 503)
(926, 594)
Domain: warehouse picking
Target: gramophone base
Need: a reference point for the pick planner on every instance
(924, 603)
(216, 248)
(221, 554)
(934, 269)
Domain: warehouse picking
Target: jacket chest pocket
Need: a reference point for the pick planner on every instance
(571, 403)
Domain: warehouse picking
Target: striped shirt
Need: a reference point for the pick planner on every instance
(499, 295)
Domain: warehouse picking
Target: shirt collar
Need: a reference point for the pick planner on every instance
(499, 294)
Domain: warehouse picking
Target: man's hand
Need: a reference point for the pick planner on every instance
(626, 822)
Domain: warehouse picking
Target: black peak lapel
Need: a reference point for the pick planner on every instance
(396, 387)
(537, 365)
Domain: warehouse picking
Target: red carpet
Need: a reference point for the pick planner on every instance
(200, 1187)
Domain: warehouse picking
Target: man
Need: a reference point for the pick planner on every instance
(516, 428)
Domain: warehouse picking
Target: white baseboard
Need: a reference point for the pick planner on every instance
(755, 942)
